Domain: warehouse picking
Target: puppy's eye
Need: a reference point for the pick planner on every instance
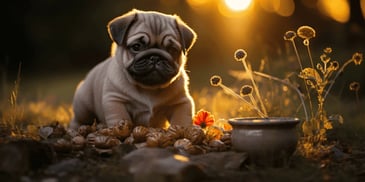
(173, 51)
(136, 47)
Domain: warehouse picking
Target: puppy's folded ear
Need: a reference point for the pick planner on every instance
(187, 35)
(119, 26)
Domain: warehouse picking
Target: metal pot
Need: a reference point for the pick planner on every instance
(266, 140)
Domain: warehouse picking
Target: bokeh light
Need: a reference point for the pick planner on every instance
(338, 10)
(238, 5)
(281, 7)
(362, 4)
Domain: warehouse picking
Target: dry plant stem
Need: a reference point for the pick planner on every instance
(301, 68)
(297, 54)
(300, 95)
(231, 92)
(14, 92)
(306, 43)
(249, 71)
(253, 101)
(336, 76)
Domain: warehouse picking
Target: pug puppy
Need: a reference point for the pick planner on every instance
(144, 80)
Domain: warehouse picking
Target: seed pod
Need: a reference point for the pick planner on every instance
(290, 35)
(123, 129)
(195, 134)
(78, 142)
(175, 131)
(84, 130)
(166, 141)
(106, 142)
(71, 132)
(182, 143)
(185, 145)
(90, 139)
(226, 139)
(129, 140)
(217, 145)
(100, 126)
(58, 131)
(152, 130)
(215, 80)
(62, 145)
(194, 150)
(140, 134)
(153, 139)
(306, 32)
(106, 131)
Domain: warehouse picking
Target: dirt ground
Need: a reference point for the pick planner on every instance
(27, 159)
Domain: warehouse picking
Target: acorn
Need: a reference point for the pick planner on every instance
(194, 149)
(166, 140)
(182, 143)
(176, 131)
(62, 145)
(106, 142)
(152, 130)
(100, 126)
(226, 139)
(78, 142)
(186, 146)
(195, 134)
(106, 131)
(123, 129)
(217, 145)
(153, 139)
(58, 130)
(71, 132)
(129, 140)
(140, 134)
(90, 138)
(84, 130)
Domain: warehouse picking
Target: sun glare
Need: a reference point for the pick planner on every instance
(237, 5)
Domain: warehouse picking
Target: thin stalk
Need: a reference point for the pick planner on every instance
(249, 71)
(336, 76)
(306, 43)
(231, 92)
(301, 68)
(288, 84)
(297, 54)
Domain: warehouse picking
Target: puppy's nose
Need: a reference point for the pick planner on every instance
(155, 58)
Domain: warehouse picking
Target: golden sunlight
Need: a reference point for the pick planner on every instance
(238, 5)
(339, 10)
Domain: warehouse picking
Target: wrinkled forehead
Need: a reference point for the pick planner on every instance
(155, 24)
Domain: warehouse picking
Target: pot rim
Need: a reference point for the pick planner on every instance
(257, 121)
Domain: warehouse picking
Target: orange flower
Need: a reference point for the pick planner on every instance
(203, 118)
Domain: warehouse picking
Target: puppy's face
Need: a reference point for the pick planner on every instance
(153, 46)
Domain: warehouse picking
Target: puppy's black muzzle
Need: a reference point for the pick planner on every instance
(153, 67)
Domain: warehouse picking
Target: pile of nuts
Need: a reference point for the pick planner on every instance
(190, 140)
